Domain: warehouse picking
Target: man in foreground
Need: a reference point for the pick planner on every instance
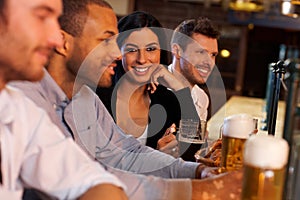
(33, 152)
(87, 53)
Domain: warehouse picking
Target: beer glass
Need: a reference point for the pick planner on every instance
(235, 131)
(265, 160)
(191, 137)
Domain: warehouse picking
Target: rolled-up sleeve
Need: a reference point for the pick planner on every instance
(151, 187)
(116, 149)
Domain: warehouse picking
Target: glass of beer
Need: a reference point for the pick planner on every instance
(265, 160)
(191, 137)
(235, 131)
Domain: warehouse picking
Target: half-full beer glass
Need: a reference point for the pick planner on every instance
(191, 137)
(265, 159)
(235, 131)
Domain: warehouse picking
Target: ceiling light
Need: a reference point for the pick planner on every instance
(247, 5)
(225, 53)
(290, 8)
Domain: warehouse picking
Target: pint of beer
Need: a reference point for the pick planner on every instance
(236, 130)
(265, 159)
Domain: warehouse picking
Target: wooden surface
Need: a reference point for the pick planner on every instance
(249, 105)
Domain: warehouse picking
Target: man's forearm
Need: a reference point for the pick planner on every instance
(152, 187)
(105, 192)
(224, 186)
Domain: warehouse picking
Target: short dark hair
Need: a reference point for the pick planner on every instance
(3, 11)
(75, 13)
(202, 25)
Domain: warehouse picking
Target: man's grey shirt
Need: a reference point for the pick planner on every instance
(86, 119)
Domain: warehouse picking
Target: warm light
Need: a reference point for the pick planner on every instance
(250, 26)
(289, 8)
(225, 53)
(295, 2)
(286, 7)
(246, 5)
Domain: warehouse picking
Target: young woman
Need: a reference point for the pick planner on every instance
(148, 101)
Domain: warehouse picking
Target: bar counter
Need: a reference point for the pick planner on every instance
(249, 105)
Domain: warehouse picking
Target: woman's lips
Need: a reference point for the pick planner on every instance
(141, 70)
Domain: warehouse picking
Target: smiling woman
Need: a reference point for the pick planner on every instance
(140, 50)
(141, 103)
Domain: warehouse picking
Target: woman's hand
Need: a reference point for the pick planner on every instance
(161, 75)
(168, 143)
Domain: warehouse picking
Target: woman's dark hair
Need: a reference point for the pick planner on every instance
(139, 20)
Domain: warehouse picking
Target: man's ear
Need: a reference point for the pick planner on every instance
(66, 47)
(176, 50)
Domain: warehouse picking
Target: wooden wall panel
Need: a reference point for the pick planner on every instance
(171, 14)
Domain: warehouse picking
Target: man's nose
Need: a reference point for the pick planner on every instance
(55, 38)
(116, 53)
(209, 60)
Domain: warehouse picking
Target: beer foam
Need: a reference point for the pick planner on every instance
(238, 126)
(266, 151)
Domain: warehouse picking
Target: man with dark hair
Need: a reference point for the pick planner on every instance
(33, 151)
(88, 59)
(195, 47)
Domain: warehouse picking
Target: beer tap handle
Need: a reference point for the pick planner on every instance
(278, 70)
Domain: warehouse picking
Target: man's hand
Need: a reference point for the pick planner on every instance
(224, 186)
(204, 171)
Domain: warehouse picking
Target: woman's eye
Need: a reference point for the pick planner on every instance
(130, 50)
(151, 48)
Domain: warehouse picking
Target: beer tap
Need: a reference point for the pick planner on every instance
(291, 131)
(292, 104)
(267, 106)
(278, 70)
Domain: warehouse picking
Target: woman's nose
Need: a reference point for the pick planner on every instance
(141, 56)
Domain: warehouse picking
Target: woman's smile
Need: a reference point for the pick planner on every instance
(141, 70)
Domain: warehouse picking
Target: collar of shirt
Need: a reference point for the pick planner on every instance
(201, 101)
(54, 94)
(6, 110)
(199, 96)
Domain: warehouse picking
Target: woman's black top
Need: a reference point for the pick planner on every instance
(166, 107)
